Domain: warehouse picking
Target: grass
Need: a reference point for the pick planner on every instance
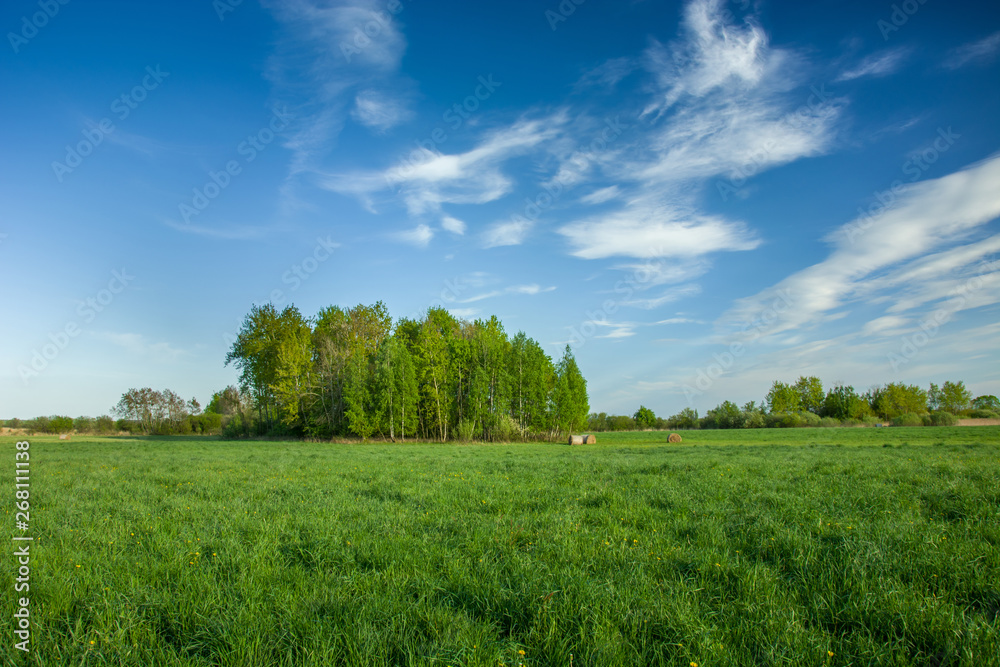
(856, 547)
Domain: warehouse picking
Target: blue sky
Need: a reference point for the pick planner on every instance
(701, 197)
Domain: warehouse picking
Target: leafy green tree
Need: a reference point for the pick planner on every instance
(686, 418)
(843, 402)
(896, 398)
(783, 398)
(951, 397)
(570, 396)
(725, 415)
(363, 414)
(810, 391)
(644, 417)
(986, 402)
(395, 389)
(58, 424)
(532, 378)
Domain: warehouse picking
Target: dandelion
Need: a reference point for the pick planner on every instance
(521, 652)
(694, 664)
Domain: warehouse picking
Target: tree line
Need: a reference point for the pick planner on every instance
(351, 372)
(805, 403)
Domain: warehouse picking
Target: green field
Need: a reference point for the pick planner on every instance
(795, 547)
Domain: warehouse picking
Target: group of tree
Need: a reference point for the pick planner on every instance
(352, 372)
(805, 403)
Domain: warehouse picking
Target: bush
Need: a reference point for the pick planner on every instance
(809, 419)
(975, 414)
(940, 418)
(507, 429)
(828, 422)
(908, 419)
(465, 431)
(104, 424)
(61, 425)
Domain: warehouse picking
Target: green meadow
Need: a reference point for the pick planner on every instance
(777, 547)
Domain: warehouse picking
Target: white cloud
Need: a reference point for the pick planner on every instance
(668, 296)
(419, 236)
(602, 195)
(464, 313)
(928, 215)
(887, 325)
(318, 67)
(982, 51)
(878, 64)
(427, 179)
(529, 290)
(648, 233)
(724, 108)
(606, 75)
(453, 225)
(507, 233)
(378, 111)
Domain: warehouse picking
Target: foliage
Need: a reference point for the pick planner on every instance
(896, 398)
(810, 393)
(951, 397)
(986, 402)
(940, 418)
(349, 372)
(644, 417)
(782, 398)
(908, 419)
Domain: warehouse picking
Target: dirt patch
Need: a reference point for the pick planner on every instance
(979, 422)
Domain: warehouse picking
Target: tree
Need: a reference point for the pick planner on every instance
(810, 391)
(395, 389)
(686, 418)
(363, 415)
(951, 397)
(783, 398)
(644, 417)
(570, 396)
(59, 424)
(986, 402)
(896, 398)
(843, 402)
(725, 415)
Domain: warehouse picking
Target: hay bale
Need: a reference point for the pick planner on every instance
(576, 439)
(64, 436)
(674, 438)
(590, 439)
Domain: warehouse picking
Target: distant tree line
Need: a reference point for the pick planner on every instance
(350, 372)
(805, 403)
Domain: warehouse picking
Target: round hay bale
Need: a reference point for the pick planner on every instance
(590, 439)
(576, 439)
(674, 438)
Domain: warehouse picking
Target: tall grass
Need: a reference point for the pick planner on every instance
(188, 551)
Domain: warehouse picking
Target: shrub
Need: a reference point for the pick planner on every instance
(980, 414)
(104, 424)
(940, 418)
(908, 419)
(809, 419)
(828, 422)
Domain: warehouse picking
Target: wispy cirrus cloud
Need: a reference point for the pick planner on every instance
(324, 72)
(436, 178)
(878, 64)
(903, 244)
(723, 98)
(529, 290)
(979, 52)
